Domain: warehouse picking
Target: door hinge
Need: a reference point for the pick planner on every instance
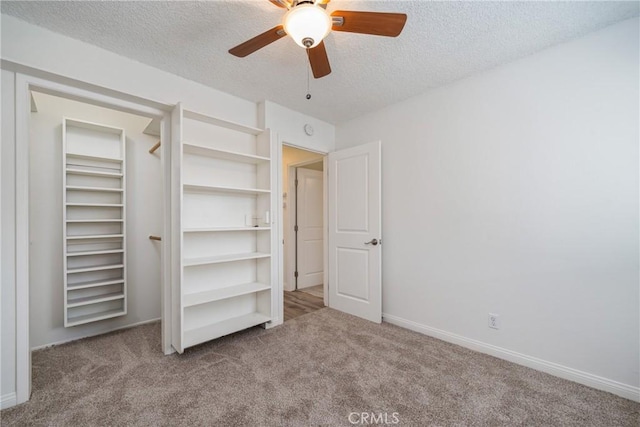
(296, 182)
(295, 228)
(295, 274)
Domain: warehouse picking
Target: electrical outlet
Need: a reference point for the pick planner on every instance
(494, 321)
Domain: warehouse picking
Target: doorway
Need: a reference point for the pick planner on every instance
(93, 268)
(303, 201)
(25, 105)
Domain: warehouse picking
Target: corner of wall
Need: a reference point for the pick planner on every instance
(555, 369)
(290, 126)
(261, 112)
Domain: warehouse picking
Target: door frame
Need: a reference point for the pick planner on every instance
(290, 253)
(74, 90)
(292, 198)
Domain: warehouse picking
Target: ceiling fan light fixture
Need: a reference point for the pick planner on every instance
(307, 24)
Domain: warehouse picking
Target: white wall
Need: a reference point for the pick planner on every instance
(7, 231)
(516, 192)
(289, 128)
(45, 50)
(290, 124)
(144, 217)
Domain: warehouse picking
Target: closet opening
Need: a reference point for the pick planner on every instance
(304, 231)
(95, 219)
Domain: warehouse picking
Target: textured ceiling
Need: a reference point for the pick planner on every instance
(441, 42)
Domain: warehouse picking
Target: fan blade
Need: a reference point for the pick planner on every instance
(282, 3)
(258, 42)
(319, 61)
(376, 23)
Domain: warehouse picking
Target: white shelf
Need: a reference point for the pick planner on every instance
(89, 253)
(99, 189)
(225, 327)
(222, 123)
(87, 318)
(218, 189)
(96, 205)
(239, 158)
(92, 221)
(95, 236)
(192, 262)
(218, 229)
(72, 171)
(98, 169)
(93, 158)
(78, 302)
(95, 268)
(192, 299)
(98, 127)
(215, 153)
(94, 284)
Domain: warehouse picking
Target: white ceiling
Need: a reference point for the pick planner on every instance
(441, 42)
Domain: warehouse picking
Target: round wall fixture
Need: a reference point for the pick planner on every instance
(308, 129)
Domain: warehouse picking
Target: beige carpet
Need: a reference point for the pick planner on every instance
(313, 370)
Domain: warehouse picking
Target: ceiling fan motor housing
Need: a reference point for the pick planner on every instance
(307, 24)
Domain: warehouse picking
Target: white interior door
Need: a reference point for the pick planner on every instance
(355, 273)
(310, 242)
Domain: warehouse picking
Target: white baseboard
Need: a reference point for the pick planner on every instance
(8, 400)
(581, 377)
(40, 347)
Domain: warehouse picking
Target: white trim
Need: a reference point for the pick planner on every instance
(581, 377)
(277, 287)
(290, 248)
(8, 400)
(133, 325)
(25, 83)
(277, 156)
(289, 281)
(23, 352)
(165, 247)
(7, 397)
(325, 224)
(87, 88)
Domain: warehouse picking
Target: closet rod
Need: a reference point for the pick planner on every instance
(155, 238)
(154, 148)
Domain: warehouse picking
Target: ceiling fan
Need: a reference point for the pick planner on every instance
(308, 23)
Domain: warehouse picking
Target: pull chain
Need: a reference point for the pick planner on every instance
(308, 78)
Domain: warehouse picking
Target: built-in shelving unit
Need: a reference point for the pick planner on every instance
(225, 234)
(94, 222)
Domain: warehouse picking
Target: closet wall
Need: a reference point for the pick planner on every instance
(144, 217)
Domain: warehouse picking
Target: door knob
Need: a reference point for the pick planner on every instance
(373, 242)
